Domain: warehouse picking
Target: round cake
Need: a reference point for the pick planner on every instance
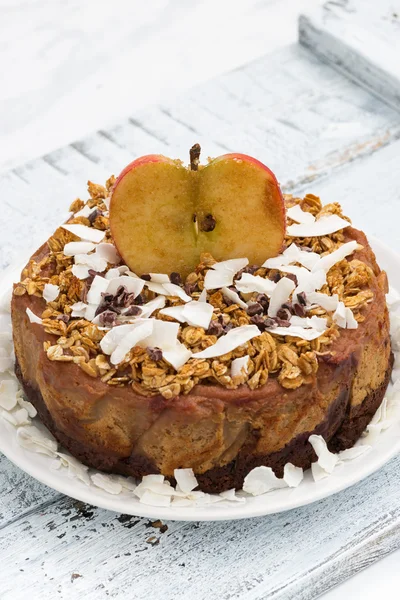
(221, 369)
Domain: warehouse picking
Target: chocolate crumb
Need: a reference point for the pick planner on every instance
(154, 353)
(259, 321)
(215, 328)
(133, 311)
(282, 322)
(284, 314)
(190, 288)
(263, 300)
(270, 323)
(107, 318)
(255, 309)
(146, 277)
(276, 277)
(139, 300)
(64, 318)
(302, 298)
(93, 216)
(299, 310)
(175, 278)
(228, 327)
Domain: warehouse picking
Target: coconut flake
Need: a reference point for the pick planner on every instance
(32, 317)
(152, 499)
(30, 409)
(176, 312)
(78, 309)
(329, 303)
(231, 496)
(108, 252)
(344, 317)
(6, 363)
(132, 285)
(132, 339)
(326, 459)
(75, 468)
(157, 288)
(261, 480)
(234, 297)
(86, 211)
(104, 482)
(392, 298)
(80, 271)
(318, 472)
(186, 480)
(327, 262)
(175, 290)
(8, 394)
(314, 322)
(50, 292)
(296, 213)
(295, 331)
(116, 272)
(33, 439)
(159, 278)
(292, 475)
(151, 306)
(254, 283)
(99, 286)
(92, 261)
(221, 274)
(113, 337)
(198, 314)
(239, 366)
(280, 295)
(163, 335)
(178, 356)
(203, 296)
(88, 234)
(293, 254)
(324, 226)
(230, 341)
(72, 248)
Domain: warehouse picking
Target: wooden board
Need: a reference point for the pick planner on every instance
(361, 39)
(319, 132)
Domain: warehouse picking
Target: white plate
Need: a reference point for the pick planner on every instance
(347, 474)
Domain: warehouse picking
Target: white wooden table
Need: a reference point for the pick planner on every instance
(320, 133)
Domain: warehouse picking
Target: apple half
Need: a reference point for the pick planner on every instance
(163, 215)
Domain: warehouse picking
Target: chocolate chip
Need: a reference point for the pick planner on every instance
(263, 300)
(133, 311)
(299, 310)
(154, 353)
(93, 216)
(282, 322)
(190, 288)
(288, 306)
(228, 327)
(214, 328)
(175, 278)
(276, 277)
(139, 300)
(107, 318)
(302, 298)
(255, 309)
(128, 300)
(146, 277)
(208, 223)
(251, 269)
(292, 277)
(64, 318)
(284, 314)
(259, 321)
(270, 323)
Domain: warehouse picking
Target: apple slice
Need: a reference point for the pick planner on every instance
(163, 216)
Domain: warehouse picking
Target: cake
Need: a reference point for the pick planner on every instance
(138, 373)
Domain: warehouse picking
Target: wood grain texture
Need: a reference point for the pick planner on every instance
(294, 555)
(319, 132)
(361, 39)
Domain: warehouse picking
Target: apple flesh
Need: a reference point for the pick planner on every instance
(163, 216)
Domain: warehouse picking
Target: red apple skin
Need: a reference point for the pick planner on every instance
(257, 163)
(138, 162)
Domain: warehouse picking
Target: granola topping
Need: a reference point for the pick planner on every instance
(256, 321)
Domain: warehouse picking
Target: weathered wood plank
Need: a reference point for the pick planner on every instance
(286, 556)
(360, 39)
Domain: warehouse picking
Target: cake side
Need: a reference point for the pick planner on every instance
(222, 434)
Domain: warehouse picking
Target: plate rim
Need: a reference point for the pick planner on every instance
(254, 507)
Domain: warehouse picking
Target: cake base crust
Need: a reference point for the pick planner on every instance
(340, 429)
